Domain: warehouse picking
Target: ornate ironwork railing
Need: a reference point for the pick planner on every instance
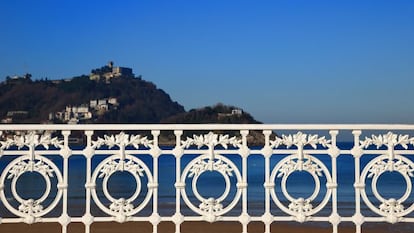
(177, 173)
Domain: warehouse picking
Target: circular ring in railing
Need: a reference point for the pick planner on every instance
(211, 207)
(300, 207)
(311, 197)
(128, 199)
(219, 199)
(31, 208)
(374, 169)
(122, 206)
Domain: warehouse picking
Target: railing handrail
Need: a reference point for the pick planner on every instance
(207, 126)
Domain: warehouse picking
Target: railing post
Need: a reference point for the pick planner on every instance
(65, 152)
(334, 152)
(178, 218)
(155, 152)
(244, 152)
(87, 218)
(267, 218)
(357, 152)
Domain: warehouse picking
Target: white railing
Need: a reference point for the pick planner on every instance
(254, 166)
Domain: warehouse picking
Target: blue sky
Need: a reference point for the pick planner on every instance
(282, 61)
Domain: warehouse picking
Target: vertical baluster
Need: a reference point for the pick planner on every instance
(155, 152)
(334, 153)
(87, 219)
(267, 218)
(64, 220)
(357, 152)
(244, 152)
(178, 152)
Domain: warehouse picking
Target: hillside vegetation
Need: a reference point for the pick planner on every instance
(219, 114)
(122, 99)
(139, 101)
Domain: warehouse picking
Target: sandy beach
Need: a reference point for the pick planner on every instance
(203, 227)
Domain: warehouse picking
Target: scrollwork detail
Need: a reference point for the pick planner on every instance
(201, 166)
(113, 166)
(211, 205)
(211, 140)
(32, 139)
(390, 165)
(300, 205)
(391, 206)
(293, 165)
(23, 166)
(390, 139)
(122, 140)
(300, 139)
(121, 206)
(30, 207)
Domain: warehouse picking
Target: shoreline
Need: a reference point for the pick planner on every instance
(203, 227)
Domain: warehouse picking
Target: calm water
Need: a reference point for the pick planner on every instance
(211, 184)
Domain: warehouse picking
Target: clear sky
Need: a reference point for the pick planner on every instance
(282, 61)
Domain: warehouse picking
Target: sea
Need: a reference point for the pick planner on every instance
(300, 184)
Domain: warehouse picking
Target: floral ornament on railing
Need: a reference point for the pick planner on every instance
(30, 207)
(122, 140)
(300, 139)
(201, 166)
(121, 206)
(211, 140)
(381, 166)
(390, 139)
(391, 206)
(301, 207)
(31, 140)
(211, 206)
(113, 166)
(292, 165)
(23, 166)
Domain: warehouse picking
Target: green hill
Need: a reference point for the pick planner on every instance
(137, 101)
(219, 114)
(108, 95)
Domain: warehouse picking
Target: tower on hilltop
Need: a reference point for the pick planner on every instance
(110, 71)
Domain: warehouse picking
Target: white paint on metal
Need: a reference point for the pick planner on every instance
(35, 151)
